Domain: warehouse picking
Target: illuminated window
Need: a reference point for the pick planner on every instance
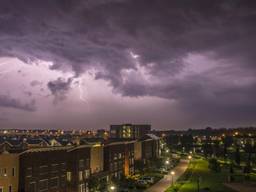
(80, 175)
(87, 173)
(81, 188)
(69, 176)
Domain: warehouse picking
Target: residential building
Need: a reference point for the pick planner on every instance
(129, 131)
(9, 172)
(119, 159)
(43, 169)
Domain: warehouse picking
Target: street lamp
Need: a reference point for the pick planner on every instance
(189, 157)
(172, 173)
(112, 188)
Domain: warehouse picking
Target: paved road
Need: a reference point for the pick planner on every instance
(164, 183)
(242, 187)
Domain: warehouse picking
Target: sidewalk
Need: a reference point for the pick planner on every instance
(164, 183)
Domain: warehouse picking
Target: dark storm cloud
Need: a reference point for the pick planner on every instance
(101, 34)
(9, 102)
(60, 87)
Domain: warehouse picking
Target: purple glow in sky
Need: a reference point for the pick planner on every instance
(90, 63)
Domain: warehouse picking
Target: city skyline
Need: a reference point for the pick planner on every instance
(89, 64)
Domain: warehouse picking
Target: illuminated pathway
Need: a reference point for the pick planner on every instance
(164, 183)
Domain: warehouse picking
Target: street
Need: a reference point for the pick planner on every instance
(164, 183)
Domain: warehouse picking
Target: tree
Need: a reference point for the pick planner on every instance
(249, 149)
(139, 165)
(228, 141)
(93, 183)
(214, 165)
(237, 155)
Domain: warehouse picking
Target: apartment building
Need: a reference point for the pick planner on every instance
(147, 148)
(129, 131)
(43, 169)
(78, 168)
(119, 159)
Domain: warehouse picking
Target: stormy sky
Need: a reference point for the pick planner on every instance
(176, 64)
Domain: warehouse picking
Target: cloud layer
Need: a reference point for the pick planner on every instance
(8, 102)
(144, 48)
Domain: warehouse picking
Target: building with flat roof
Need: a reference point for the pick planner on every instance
(129, 131)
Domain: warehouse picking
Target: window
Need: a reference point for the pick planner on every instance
(81, 163)
(54, 168)
(1, 189)
(13, 172)
(69, 176)
(43, 185)
(32, 187)
(87, 163)
(81, 188)
(29, 172)
(80, 175)
(63, 166)
(87, 173)
(115, 156)
(54, 182)
(43, 170)
(10, 188)
(63, 181)
(5, 172)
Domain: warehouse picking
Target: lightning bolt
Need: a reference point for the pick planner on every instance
(81, 91)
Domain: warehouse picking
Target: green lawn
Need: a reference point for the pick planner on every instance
(208, 179)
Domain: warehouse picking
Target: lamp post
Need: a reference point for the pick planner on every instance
(167, 163)
(172, 173)
(112, 188)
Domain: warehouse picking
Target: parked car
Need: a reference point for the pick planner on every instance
(148, 179)
(163, 170)
(141, 183)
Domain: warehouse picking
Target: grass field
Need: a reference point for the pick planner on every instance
(208, 179)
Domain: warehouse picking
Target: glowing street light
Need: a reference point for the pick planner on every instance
(167, 162)
(189, 157)
(172, 173)
(112, 187)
